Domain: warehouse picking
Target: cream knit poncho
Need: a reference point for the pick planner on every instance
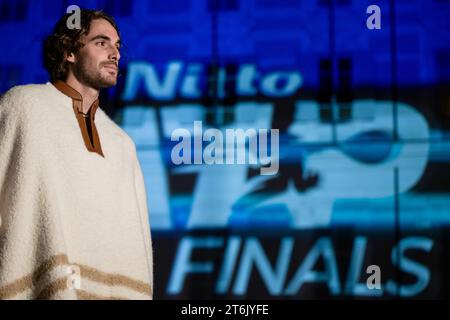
(73, 225)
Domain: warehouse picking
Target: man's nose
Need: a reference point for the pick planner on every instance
(115, 54)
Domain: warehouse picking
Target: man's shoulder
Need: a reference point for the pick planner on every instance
(20, 96)
(19, 108)
(27, 90)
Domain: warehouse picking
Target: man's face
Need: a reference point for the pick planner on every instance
(96, 63)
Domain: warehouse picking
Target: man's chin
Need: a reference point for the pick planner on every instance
(107, 83)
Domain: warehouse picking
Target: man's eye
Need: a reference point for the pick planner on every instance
(102, 43)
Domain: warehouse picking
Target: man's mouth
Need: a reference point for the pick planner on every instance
(111, 67)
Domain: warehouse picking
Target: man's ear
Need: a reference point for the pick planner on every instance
(70, 57)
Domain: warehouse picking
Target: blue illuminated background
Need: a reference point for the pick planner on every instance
(364, 120)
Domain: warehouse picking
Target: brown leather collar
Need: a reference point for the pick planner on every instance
(74, 94)
(77, 104)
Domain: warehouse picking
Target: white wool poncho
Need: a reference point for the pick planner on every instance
(73, 224)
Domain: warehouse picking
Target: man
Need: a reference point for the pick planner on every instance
(73, 208)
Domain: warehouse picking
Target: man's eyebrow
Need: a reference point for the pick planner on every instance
(104, 37)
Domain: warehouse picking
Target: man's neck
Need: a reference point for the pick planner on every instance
(88, 94)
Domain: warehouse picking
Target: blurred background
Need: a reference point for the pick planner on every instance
(360, 206)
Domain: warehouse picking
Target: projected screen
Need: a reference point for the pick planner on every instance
(294, 149)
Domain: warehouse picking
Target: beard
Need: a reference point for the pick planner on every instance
(92, 76)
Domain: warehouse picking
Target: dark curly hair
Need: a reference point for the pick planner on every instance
(65, 40)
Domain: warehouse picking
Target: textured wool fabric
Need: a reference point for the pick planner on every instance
(73, 224)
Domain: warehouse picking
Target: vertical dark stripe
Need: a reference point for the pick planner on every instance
(89, 128)
(394, 93)
(397, 229)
